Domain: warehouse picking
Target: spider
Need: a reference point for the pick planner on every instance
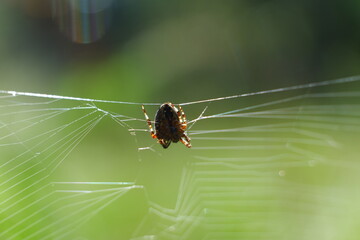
(170, 125)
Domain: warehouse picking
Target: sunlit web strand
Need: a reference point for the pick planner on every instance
(41, 95)
(303, 86)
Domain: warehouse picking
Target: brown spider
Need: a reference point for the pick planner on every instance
(170, 125)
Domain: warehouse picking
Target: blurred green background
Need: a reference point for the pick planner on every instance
(149, 47)
(182, 51)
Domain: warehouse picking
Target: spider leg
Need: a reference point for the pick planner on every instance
(178, 114)
(186, 143)
(183, 118)
(153, 135)
(186, 138)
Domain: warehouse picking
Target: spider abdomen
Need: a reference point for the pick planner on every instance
(170, 125)
(167, 124)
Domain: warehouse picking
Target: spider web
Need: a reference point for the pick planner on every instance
(275, 164)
